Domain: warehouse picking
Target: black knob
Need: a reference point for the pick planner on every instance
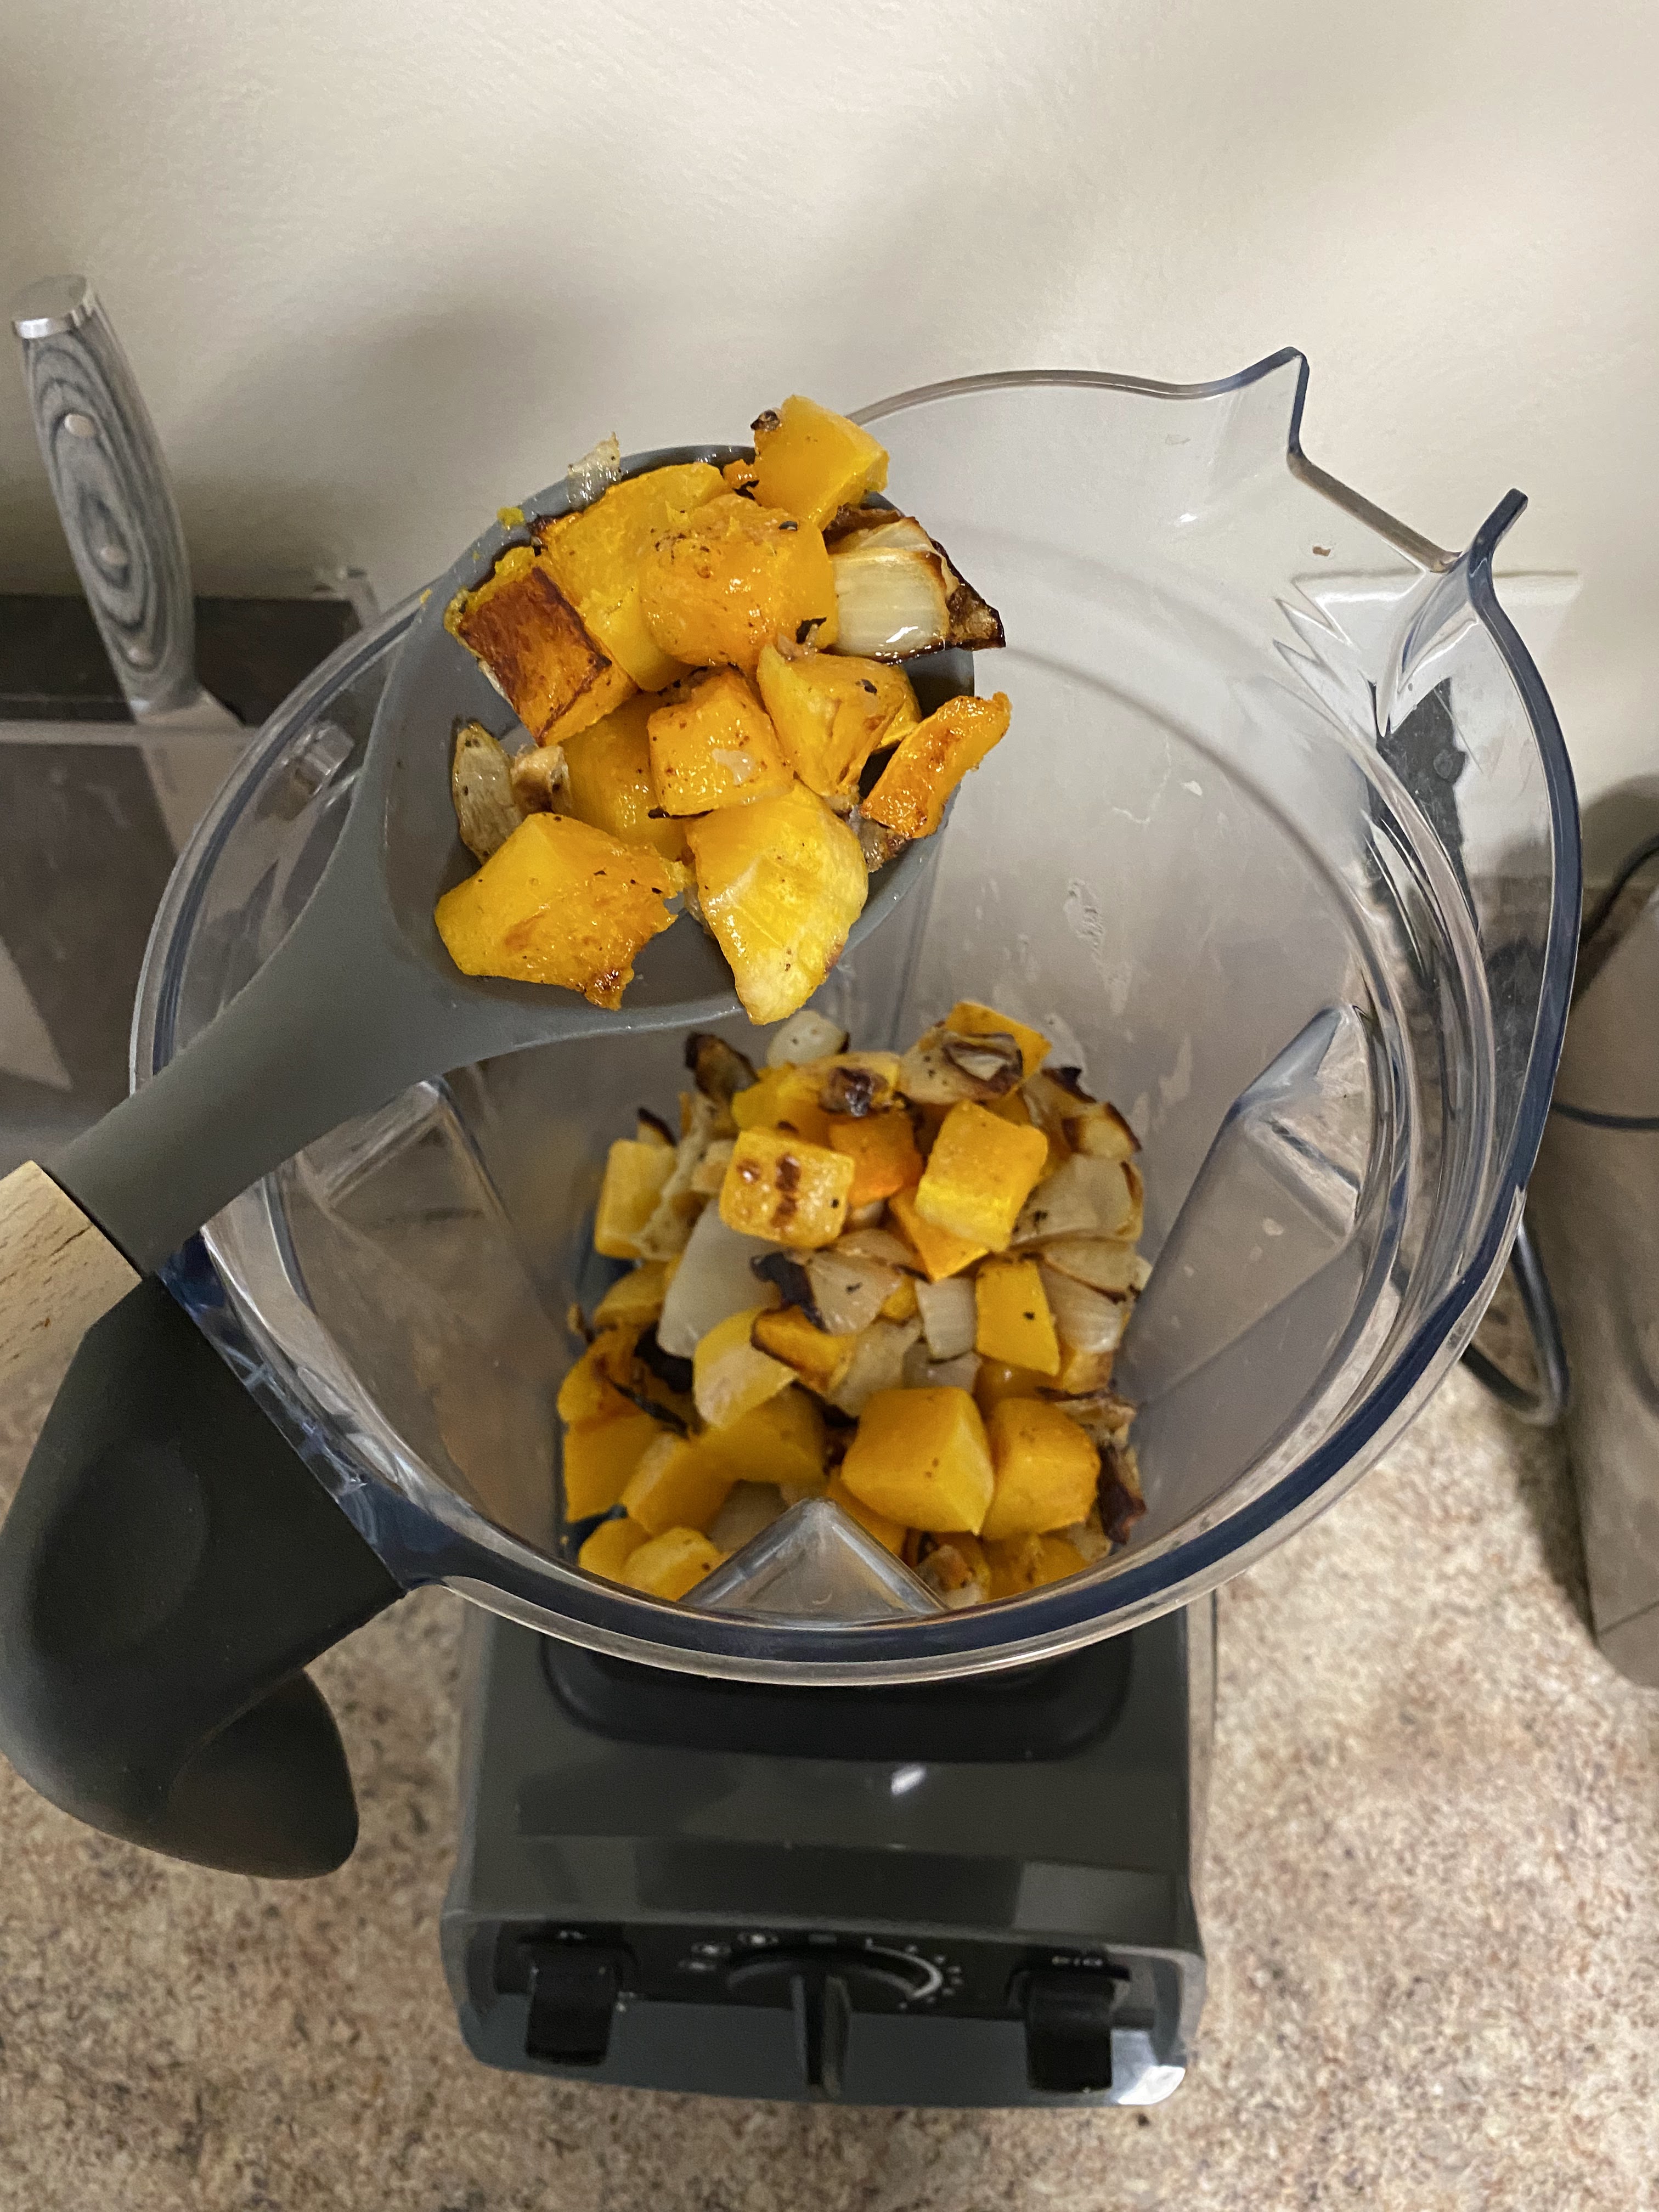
(1068, 2032)
(823, 1985)
(881, 1976)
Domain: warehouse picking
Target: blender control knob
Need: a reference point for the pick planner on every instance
(824, 1987)
(1068, 2032)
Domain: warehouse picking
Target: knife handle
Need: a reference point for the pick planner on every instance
(114, 499)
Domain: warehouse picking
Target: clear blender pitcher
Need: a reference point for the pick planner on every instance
(1281, 851)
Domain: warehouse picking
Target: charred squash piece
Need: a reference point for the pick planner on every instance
(529, 639)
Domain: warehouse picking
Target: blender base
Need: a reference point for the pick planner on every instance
(976, 1892)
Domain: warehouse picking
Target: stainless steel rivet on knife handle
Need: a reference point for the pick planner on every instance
(111, 485)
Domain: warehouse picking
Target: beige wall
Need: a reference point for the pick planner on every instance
(382, 264)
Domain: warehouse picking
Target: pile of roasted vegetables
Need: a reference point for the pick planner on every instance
(894, 1280)
(711, 665)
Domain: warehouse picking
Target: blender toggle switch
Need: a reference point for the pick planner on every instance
(573, 1995)
(1068, 2032)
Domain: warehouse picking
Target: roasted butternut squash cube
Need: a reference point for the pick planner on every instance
(920, 1457)
(673, 1564)
(781, 1188)
(560, 903)
(780, 882)
(591, 1390)
(811, 461)
(888, 1533)
(609, 1548)
(634, 1300)
(785, 1098)
(679, 1482)
(595, 555)
(1013, 1323)
(979, 1175)
(781, 1441)
(996, 1379)
(608, 780)
(608, 691)
(831, 711)
(901, 1304)
(819, 1359)
(600, 1458)
(940, 1253)
(731, 578)
(634, 1176)
(713, 745)
(730, 1378)
(529, 639)
(1018, 1564)
(932, 759)
(882, 1150)
(1046, 1470)
(968, 1019)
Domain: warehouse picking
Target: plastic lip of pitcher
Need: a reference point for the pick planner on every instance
(1213, 478)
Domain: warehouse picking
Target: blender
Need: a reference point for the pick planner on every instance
(1283, 855)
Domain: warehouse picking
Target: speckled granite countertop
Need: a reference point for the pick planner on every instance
(1432, 1913)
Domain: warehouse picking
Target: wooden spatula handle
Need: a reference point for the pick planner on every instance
(59, 1275)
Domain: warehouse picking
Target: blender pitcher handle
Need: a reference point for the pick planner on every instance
(168, 1567)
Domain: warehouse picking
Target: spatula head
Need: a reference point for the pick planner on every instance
(403, 807)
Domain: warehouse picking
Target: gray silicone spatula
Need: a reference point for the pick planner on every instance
(359, 1001)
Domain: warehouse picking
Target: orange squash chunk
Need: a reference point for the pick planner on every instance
(672, 1564)
(888, 1533)
(1013, 1322)
(599, 1460)
(920, 1457)
(979, 1175)
(609, 1548)
(882, 1150)
(785, 1098)
(821, 1360)
(1046, 1470)
(781, 1188)
(679, 1482)
(608, 769)
(931, 761)
(713, 745)
(634, 1176)
(733, 576)
(528, 639)
(831, 711)
(1018, 1564)
(594, 557)
(560, 902)
(996, 1379)
(812, 461)
(940, 1253)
